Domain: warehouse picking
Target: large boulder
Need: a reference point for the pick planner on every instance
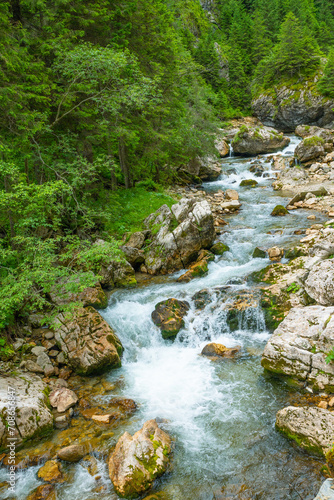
(298, 348)
(320, 283)
(310, 131)
(287, 107)
(178, 235)
(311, 428)
(310, 149)
(214, 350)
(32, 417)
(168, 316)
(90, 296)
(258, 140)
(114, 273)
(206, 169)
(139, 459)
(88, 342)
(222, 147)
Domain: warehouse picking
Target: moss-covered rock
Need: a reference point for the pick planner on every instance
(248, 183)
(139, 459)
(168, 316)
(279, 211)
(219, 248)
(259, 254)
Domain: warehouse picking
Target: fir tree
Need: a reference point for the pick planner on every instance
(326, 83)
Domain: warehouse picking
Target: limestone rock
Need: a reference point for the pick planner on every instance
(62, 399)
(231, 205)
(88, 342)
(311, 428)
(222, 147)
(289, 108)
(139, 459)
(50, 472)
(33, 417)
(213, 350)
(311, 131)
(137, 239)
(90, 296)
(298, 348)
(320, 283)
(43, 492)
(205, 169)
(72, 453)
(179, 234)
(134, 256)
(168, 316)
(275, 253)
(231, 194)
(326, 491)
(301, 195)
(310, 149)
(219, 248)
(254, 141)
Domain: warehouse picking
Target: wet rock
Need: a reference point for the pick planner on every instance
(254, 141)
(51, 472)
(248, 183)
(89, 343)
(213, 350)
(168, 316)
(62, 399)
(275, 253)
(311, 428)
(231, 205)
(139, 459)
(105, 419)
(219, 248)
(231, 194)
(259, 254)
(310, 149)
(33, 417)
(298, 348)
(326, 491)
(43, 492)
(196, 270)
(279, 210)
(201, 299)
(222, 147)
(320, 283)
(179, 234)
(72, 453)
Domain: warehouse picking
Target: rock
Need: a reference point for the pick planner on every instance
(222, 147)
(179, 234)
(43, 492)
(259, 254)
(37, 350)
(219, 248)
(104, 419)
(33, 367)
(201, 298)
(298, 348)
(168, 316)
(300, 196)
(205, 169)
(310, 149)
(50, 472)
(323, 404)
(196, 270)
(33, 417)
(139, 459)
(311, 428)
(310, 131)
(72, 453)
(89, 343)
(231, 205)
(90, 296)
(248, 183)
(137, 239)
(220, 350)
(287, 107)
(134, 256)
(62, 399)
(231, 194)
(257, 170)
(281, 162)
(275, 254)
(326, 491)
(279, 210)
(320, 283)
(258, 140)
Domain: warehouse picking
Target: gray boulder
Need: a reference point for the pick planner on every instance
(178, 235)
(310, 149)
(258, 140)
(32, 415)
(298, 348)
(320, 283)
(310, 131)
(326, 491)
(312, 428)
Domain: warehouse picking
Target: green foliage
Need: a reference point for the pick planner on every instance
(6, 350)
(313, 141)
(330, 356)
(326, 83)
(293, 288)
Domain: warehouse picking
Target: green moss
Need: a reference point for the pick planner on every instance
(302, 441)
(278, 211)
(248, 183)
(313, 141)
(219, 248)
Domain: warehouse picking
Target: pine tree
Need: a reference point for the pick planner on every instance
(326, 83)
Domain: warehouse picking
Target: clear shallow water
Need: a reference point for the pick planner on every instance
(221, 414)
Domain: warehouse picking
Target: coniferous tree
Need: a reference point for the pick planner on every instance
(326, 83)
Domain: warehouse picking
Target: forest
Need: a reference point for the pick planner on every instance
(103, 102)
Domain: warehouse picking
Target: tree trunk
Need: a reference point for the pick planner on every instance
(123, 162)
(112, 168)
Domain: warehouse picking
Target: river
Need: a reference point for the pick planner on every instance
(221, 415)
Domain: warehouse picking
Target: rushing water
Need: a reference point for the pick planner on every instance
(220, 414)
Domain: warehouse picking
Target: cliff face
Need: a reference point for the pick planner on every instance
(287, 107)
